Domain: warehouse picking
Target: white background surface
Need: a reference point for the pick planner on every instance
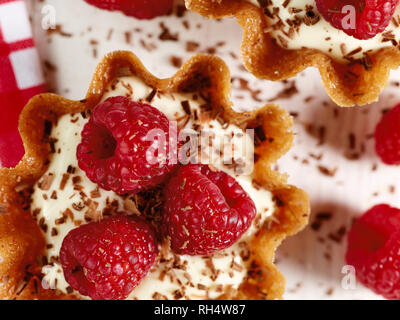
(311, 261)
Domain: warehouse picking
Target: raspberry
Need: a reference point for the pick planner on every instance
(372, 16)
(114, 149)
(140, 9)
(374, 250)
(387, 137)
(205, 211)
(106, 260)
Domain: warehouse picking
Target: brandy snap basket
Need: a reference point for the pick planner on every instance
(21, 241)
(355, 83)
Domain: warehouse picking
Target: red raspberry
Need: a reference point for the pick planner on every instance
(372, 16)
(205, 211)
(374, 250)
(114, 150)
(387, 137)
(106, 260)
(140, 9)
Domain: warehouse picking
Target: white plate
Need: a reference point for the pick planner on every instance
(311, 261)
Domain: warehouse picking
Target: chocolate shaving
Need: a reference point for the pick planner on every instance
(46, 182)
(151, 96)
(64, 181)
(326, 171)
(95, 193)
(186, 107)
(166, 34)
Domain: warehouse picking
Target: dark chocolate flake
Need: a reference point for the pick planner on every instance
(151, 96)
(186, 107)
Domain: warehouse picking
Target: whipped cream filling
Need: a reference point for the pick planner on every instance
(65, 198)
(317, 33)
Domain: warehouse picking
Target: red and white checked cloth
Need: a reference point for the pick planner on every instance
(20, 76)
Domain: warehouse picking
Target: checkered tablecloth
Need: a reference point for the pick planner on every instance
(20, 76)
